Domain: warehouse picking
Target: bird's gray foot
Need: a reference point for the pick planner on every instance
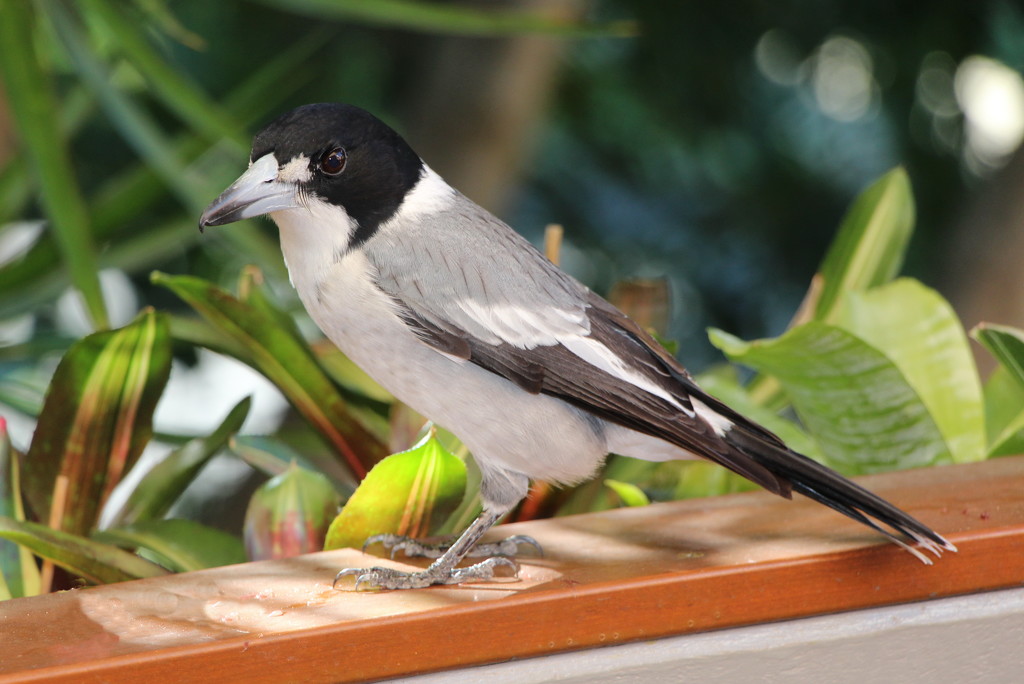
(413, 548)
(389, 578)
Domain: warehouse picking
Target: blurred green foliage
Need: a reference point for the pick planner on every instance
(686, 139)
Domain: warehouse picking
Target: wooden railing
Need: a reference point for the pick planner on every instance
(607, 578)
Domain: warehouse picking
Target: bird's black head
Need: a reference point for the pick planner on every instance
(337, 153)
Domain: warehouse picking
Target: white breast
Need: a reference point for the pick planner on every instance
(504, 427)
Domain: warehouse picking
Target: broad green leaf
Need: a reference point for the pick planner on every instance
(19, 575)
(288, 363)
(180, 545)
(1004, 401)
(95, 562)
(629, 493)
(1009, 441)
(445, 18)
(1004, 413)
(411, 493)
(97, 417)
(1004, 343)
(29, 94)
(867, 251)
(851, 398)
(871, 243)
(161, 487)
(726, 387)
(919, 332)
(289, 515)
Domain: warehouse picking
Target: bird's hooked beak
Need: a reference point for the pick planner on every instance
(255, 193)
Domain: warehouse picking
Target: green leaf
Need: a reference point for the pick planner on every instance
(273, 457)
(162, 485)
(288, 363)
(920, 333)
(29, 93)
(726, 387)
(849, 396)
(1004, 413)
(410, 493)
(867, 251)
(96, 562)
(289, 514)
(630, 494)
(97, 417)
(1004, 343)
(181, 545)
(445, 18)
(1010, 440)
(1004, 401)
(19, 575)
(871, 242)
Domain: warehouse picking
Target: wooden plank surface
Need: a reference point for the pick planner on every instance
(606, 578)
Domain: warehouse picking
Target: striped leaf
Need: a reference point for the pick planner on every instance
(165, 483)
(289, 514)
(97, 417)
(19, 575)
(411, 493)
(286, 360)
(920, 333)
(853, 399)
(96, 562)
(181, 545)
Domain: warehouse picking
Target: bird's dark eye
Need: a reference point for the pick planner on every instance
(333, 162)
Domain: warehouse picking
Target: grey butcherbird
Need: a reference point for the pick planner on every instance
(462, 319)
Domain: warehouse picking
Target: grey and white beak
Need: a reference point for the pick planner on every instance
(255, 193)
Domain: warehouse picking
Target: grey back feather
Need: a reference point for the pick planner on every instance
(464, 267)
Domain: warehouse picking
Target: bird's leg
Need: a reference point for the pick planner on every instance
(442, 570)
(415, 548)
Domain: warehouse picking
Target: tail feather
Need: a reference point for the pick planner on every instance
(828, 487)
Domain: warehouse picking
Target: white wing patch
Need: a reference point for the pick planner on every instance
(600, 356)
(719, 423)
(521, 327)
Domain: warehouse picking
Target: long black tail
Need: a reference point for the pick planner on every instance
(828, 487)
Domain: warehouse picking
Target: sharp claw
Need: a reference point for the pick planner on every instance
(345, 573)
(377, 538)
(528, 541)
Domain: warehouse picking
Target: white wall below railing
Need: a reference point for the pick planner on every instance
(976, 638)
